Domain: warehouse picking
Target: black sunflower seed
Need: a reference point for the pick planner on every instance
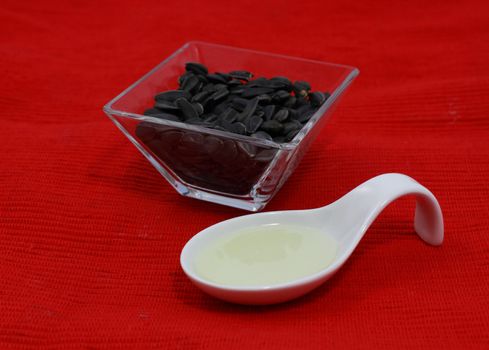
(172, 95)
(300, 101)
(239, 103)
(291, 134)
(280, 96)
(239, 128)
(292, 125)
(255, 91)
(188, 111)
(281, 115)
(197, 68)
(191, 84)
(317, 98)
(253, 123)
(221, 107)
(272, 127)
(249, 109)
(153, 112)
(264, 99)
(229, 115)
(301, 88)
(241, 75)
(217, 78)
(304, 117)
(237, 90)
(201, 96)
(209, 87)
(166, 106)
(269, 111)
(259, 82)
(234, 83)
(198, 107)
(290, 102)
(219, 94)
(184, 77)
(292, 113)
(281, 83)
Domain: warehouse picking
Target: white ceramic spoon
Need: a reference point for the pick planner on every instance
(346, 220)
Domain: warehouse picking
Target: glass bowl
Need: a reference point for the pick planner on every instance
(214, 165)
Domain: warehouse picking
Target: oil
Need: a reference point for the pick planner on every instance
(266, 255)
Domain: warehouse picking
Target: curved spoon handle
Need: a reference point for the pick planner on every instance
(367, 201)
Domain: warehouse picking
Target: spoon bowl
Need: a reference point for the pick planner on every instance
(346, 220)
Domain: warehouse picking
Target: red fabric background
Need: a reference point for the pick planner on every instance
(90, 234)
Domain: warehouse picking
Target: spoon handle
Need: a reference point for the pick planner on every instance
(366, 202)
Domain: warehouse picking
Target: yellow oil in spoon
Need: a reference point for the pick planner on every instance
(266, 255)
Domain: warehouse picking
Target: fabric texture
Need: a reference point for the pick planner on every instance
(90, 233)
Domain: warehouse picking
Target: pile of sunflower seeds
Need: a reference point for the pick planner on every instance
(271, 109)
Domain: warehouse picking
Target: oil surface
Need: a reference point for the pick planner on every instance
(266, 255)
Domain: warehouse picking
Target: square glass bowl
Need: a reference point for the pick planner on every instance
(214, 165)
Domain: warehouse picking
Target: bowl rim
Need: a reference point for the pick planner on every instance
(335, 94)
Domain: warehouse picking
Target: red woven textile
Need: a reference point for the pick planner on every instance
(90, 233)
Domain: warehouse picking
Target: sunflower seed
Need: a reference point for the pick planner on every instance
(239, 128)
(317, 98)
(191, 84)
(281, 83)
(239, 103)
(201, 96)
(272, 127)
(259, 82)
(198, 107)
(269, 111)
(152, 112)
(216, 78)
(220, 94)
(241, 75)
(304, 117)
(300, 101)
(234, 83)
(253, 124)
(166, 105)
(208, 87)
(301, 88)
(229, 115)
(290, 102)
(291, 134)
(197, 68)
(255, 91)
(237, 90)
(184, 77)
(188, 111)
(292, 125)
(281, 115)
(220, 108)
(248, 110)
(264, 99)
(280, 96)
(172, 95)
